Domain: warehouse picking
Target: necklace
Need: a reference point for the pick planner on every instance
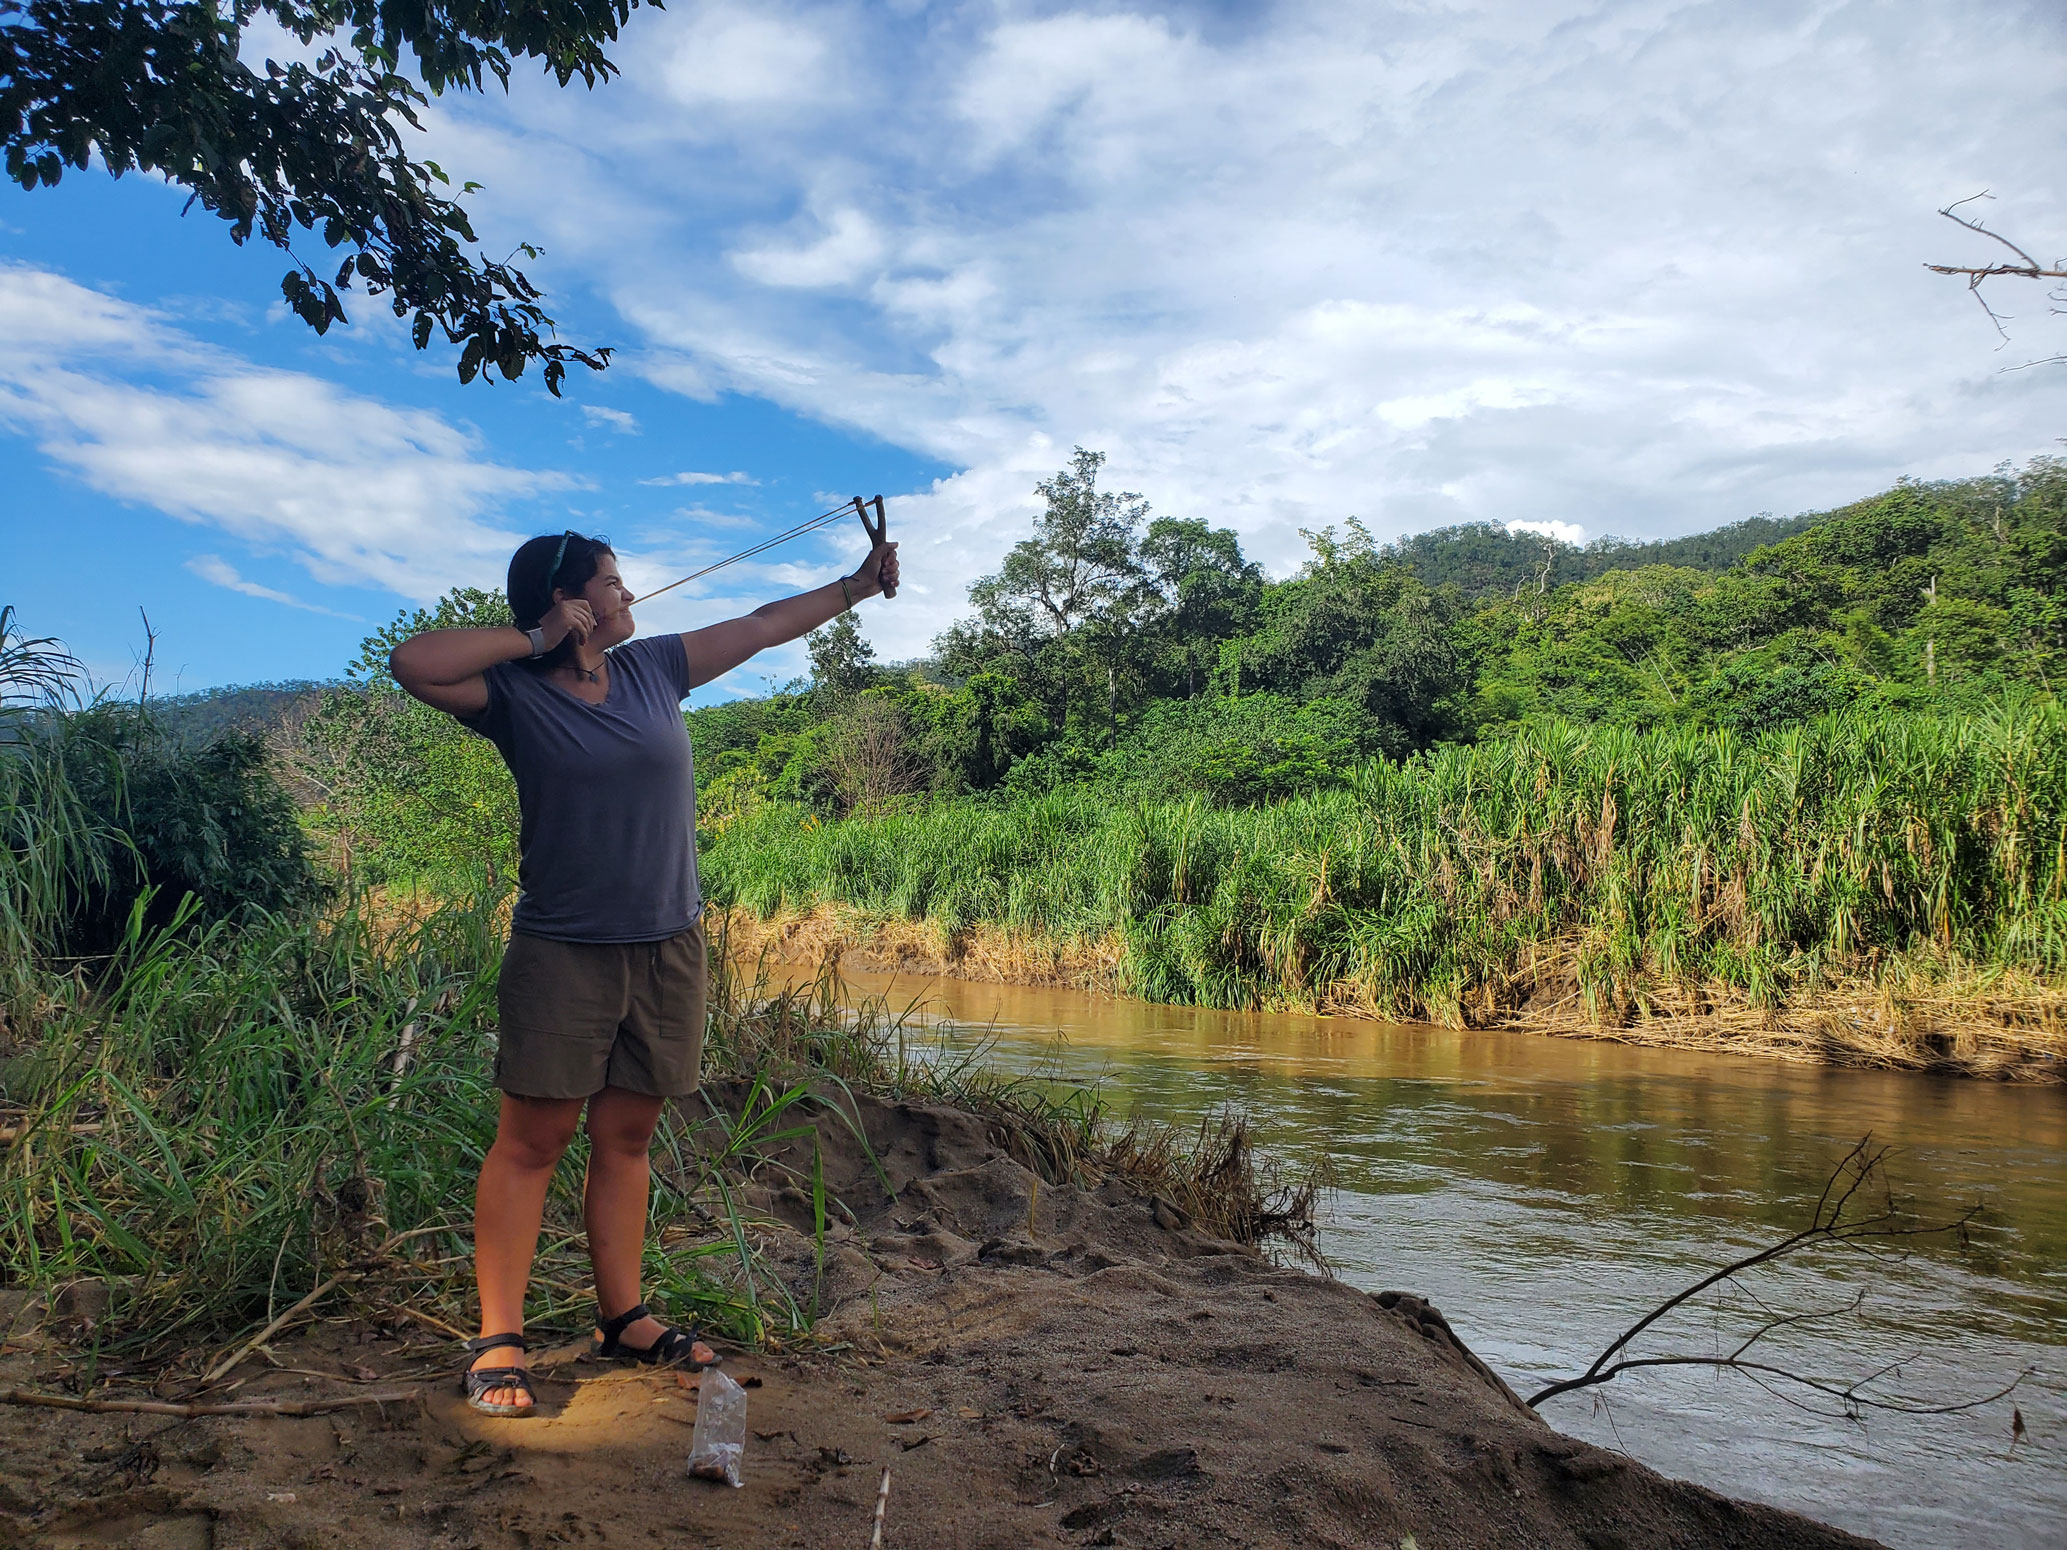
(587, 674)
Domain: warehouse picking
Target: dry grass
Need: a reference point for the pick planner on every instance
(859, 943)
(1217, 1180)
(1920, 1014)
(1997, 1024)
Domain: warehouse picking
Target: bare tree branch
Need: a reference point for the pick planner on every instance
(2029, 269)
(1856, 1210)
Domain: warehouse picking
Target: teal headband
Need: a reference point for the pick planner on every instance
(559, 554)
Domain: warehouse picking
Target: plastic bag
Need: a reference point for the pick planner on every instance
(718, 1449)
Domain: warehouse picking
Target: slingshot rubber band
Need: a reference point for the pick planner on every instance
(875, 531)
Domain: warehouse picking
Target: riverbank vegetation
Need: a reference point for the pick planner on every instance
(1898, 879)
(1793, 785)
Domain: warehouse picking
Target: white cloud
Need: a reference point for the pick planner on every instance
(615, 419)
(849, 249)
(1563, 532)
(1636, 267)
(728, 56)
(735, 477)
(217, 571)
(357, 490)
(706, 517)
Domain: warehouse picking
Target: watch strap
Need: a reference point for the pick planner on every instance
(536, 634)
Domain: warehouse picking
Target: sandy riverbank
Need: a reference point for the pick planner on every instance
(1997, 1026)
(1034, 1366)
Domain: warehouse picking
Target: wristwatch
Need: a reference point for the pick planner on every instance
(537, 635)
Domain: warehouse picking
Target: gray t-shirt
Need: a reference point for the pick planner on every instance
(607, 793)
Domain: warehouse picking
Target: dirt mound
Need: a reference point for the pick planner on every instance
(1033, 1364)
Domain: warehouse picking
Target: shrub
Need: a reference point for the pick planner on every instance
(177, 818)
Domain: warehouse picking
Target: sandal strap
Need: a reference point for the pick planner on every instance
(612, 1328)
(482, 1343)
(672, 1344)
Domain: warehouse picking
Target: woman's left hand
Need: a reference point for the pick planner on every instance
(878, 571)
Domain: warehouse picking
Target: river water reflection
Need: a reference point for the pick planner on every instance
(1546, 1192)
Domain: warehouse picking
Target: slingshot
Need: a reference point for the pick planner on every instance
(858, 506)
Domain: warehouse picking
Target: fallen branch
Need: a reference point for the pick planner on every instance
(429, 1321)
(247, 1407)
(393, 1241)
(223, 1367)
(875, 1540)
(1857, 1184)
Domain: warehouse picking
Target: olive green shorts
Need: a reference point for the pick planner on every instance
(578, 1017)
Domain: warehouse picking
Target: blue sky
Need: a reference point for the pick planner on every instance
(1618, 267)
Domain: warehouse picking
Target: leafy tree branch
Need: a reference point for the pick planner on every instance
(308, 153)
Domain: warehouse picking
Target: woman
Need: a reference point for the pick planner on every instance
(602, 991)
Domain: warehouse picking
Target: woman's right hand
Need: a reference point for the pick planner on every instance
(570, 616)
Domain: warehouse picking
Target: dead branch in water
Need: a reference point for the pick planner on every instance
(1857, 1211)
(245, 1407)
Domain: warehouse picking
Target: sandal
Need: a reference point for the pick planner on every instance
(486, 1380)
(673, 1346)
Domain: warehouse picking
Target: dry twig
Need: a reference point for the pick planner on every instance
(875, 1540)
(222, 1368)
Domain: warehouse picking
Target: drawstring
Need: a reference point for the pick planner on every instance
(823, 519)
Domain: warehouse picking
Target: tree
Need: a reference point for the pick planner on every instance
(842, 663)
(160, 86)
(978, 732)
(1081, 561)
(869, 755)
(1357, 627)
(1073, 590)
(1207, 591)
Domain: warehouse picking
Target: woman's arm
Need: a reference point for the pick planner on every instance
(443, 668)
(718, 648)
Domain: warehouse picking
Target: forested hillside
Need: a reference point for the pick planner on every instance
(208, 713)
(1486, 560)
(1120, 651)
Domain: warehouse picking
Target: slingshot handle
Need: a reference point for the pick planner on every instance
(875, 529)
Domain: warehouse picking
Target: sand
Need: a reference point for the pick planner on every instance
(1033, 1366)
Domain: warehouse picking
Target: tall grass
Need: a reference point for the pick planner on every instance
(52, 849)
(234, 1115)
(1455, 885)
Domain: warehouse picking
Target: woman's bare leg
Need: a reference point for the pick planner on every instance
(530, 1136)
(614, 1205)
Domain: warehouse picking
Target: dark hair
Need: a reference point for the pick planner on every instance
(534, 575)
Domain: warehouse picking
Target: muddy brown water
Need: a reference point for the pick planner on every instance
(1545, 1193)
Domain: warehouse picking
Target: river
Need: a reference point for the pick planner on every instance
(1545, 1193)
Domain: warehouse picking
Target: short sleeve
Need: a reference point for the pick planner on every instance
(667, 657)
(494, 721)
